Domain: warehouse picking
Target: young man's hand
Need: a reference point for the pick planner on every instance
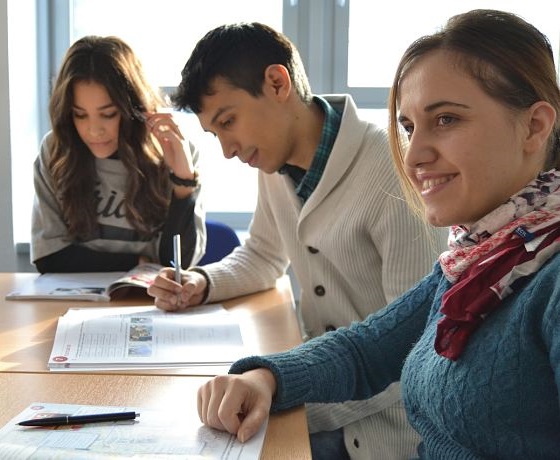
(172, 296)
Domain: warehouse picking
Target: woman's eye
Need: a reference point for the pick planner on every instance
(79, 116)
(110, 115)
(408, 129)
(226, 123)
(445, 120)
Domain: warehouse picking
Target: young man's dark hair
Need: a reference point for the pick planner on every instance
(240, 53)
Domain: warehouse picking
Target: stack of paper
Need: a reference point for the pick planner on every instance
(145, 337)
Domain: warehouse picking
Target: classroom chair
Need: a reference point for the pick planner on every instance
(220, 241)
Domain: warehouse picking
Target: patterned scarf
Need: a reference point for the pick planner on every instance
(488, 261)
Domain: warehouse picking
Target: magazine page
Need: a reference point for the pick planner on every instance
(154, 434)
(68, 286)
(145, 337)
(93, 286)
(141, 276)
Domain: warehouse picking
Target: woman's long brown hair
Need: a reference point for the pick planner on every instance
(110, 62)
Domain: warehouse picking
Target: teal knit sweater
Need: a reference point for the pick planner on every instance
(498, 400)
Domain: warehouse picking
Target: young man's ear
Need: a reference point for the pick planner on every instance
(541, 120)
(277, 80)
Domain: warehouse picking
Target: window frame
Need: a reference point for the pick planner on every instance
(308, 23)
(313, 26)
(318, 28)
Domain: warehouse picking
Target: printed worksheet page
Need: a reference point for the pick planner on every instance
(152, 435)
(144, 337)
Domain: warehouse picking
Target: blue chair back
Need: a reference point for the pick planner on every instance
(220, 241)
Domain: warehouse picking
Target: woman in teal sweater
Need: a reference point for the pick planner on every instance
(476, 344)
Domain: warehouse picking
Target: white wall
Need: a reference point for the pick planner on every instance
(7, 252)
(19, 125)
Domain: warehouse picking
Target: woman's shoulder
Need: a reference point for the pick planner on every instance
(551, 267)
(47, 139)
(544, 288)
(45, 148)
(46, 144)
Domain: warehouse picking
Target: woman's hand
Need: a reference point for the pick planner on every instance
(178, 159)
(238, 404)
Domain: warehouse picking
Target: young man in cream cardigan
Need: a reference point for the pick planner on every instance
(329, 205)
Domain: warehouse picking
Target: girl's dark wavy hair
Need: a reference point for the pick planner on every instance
(110, 62)
(511, 60)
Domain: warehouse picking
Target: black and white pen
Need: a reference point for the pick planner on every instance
(80, 419)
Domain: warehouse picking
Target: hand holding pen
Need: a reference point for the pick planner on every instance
(189, 288)
(171, 296)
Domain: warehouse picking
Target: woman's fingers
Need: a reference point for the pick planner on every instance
(238, 404)
(161, 123)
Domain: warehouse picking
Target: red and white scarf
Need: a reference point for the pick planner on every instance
(487, 261)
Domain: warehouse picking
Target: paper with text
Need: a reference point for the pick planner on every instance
(153, 435)
(145, 337)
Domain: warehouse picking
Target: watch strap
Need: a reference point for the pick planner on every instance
(184, 182)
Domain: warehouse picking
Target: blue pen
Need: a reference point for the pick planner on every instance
(177, 257)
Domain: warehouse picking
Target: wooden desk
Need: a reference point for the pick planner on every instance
(286, 437)
(27, 328)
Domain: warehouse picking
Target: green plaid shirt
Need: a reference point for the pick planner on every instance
(306, 181)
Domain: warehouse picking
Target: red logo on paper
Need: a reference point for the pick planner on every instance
(60, 359)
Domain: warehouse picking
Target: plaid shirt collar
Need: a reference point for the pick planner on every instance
(305, 182)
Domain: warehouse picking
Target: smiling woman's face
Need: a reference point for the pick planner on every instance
(466, 153)
(96, 118)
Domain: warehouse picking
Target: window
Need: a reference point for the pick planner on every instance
(372, 38)
(347, 46)
(162, 33)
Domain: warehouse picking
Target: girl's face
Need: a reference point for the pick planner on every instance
(466, 154)
(96, 118)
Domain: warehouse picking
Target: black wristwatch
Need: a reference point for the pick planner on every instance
(184, 182)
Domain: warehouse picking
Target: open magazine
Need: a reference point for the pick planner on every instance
(109, 338)
(154, 434)
(97, 287)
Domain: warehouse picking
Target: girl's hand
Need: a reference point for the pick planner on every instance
(165, 130)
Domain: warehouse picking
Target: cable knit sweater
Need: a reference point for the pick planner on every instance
(354, 246)
(498, 400)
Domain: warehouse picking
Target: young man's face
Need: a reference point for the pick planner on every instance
(254, 129)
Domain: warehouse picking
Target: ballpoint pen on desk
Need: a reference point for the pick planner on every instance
(177, 257)
(80, 419)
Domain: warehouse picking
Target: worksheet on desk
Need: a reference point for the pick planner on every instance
(145, 337)
(153, 435)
